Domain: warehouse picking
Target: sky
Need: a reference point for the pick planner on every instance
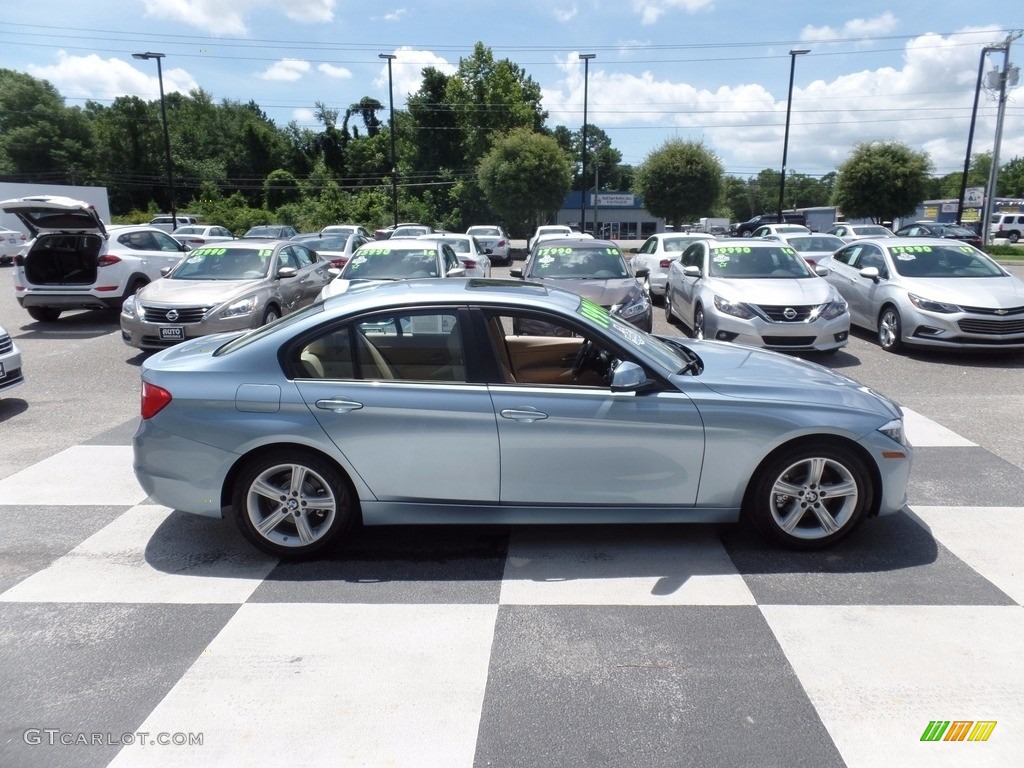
(713, 71)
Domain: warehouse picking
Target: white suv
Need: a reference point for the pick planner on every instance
(165, 223)
(74, 262)
(1007, 225)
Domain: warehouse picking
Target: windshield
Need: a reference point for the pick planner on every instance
(382, 262)
(755, 263)
(943, 261)
(221, 263)
(816, 243)
(580, 261)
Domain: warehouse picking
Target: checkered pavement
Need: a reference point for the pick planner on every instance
(535, 646)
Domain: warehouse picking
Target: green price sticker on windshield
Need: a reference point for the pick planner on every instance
(594, 312)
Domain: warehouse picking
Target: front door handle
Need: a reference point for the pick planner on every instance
(339, 406)
(528, 415)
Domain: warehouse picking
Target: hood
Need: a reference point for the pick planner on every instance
(734, 370)
(607, 293)
(54, 214)
(774, 291)
(202, 293)
(990, 292)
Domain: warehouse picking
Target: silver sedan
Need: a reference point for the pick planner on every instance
(370, 406)
(223, 287)
(933, 292)
(757, 292)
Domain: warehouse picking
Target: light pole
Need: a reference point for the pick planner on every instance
(970, 133)
(583, 170)
(167, 136)
(394, 163)
(785, 139)
(1002, 78)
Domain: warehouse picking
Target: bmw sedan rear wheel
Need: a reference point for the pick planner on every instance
(811, 496)
(292, 504)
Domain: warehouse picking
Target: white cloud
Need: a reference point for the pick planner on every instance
(652, 10)
(221, 18)
(287, 70)
(339, 73)
(407, 73)
(92, 77)
(743, 122)
(304, 116)
(395, 15)
(881, 25)
(565, 14)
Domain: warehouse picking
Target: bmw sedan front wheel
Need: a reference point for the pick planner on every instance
(810, 496)
(291, 504)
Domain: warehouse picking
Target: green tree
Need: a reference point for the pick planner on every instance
(1011, 178)
(680, 181)
(882, 181)
(491, 97)
(280, 188)
(525, 177)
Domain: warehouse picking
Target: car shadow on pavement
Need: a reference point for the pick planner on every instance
(91, 323)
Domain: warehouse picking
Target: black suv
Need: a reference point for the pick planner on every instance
(744, 229)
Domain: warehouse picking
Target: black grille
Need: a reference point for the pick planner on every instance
(1009, 312)
(788, 341)
(1008, 327)
(777, 313)
(185, 314)
(6, 345)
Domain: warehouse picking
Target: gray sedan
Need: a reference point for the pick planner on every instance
(370, 407)
(223, 287)
(757, 292)
(932, 292)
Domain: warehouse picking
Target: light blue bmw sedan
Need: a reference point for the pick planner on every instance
(370, 406)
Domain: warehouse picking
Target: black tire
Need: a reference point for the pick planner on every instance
(670, 317)
(43, 314)
(890, 329)
(698, 322)
(270, 315)
(810, 496)
(132, 290)
(1014, 237)
(285, 521)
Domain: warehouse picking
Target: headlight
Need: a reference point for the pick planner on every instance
(932, 306)
(833, 309)
(239, 308)
(635, 304)
(894, 431)
(128, 308)
(734, 308)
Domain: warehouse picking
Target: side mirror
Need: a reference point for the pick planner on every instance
(642, 273)
(164, 271)
(691, 271)
(630, 377)
(285, 273)
(871, 273)
(457, 272)
(821, 270)
(516, 272)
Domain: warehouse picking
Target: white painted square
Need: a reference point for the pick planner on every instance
(605, 565)
(922, 432)
(877, 675)
(331, 685)
(100, 475)
(989, 539)
(137, 559)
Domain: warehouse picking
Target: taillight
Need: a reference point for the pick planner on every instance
(154, 399)
(19, 260)
(469, 263)
(665, 263)
(339, 262)
(107, 260)
(501, 244)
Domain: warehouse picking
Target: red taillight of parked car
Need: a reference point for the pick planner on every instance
(339, 262)
(469, 263)
(107, 260)
(154, 399)
(665, 263)
(501, 244)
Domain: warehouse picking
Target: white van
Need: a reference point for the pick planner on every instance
(1007, 225)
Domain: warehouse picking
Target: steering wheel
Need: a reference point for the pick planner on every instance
(587, 355)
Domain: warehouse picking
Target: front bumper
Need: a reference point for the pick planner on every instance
(817, 336)
(963, 330)
(143, 334)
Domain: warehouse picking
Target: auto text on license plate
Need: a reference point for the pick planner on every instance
(172, 333)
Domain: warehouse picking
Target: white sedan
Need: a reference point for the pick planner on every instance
(11, 243)
(471, 252)
(196, 235)
(658, 253)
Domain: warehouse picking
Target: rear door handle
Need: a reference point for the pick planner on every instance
(338, 406)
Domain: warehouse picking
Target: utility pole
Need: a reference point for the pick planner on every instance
(993, 178)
